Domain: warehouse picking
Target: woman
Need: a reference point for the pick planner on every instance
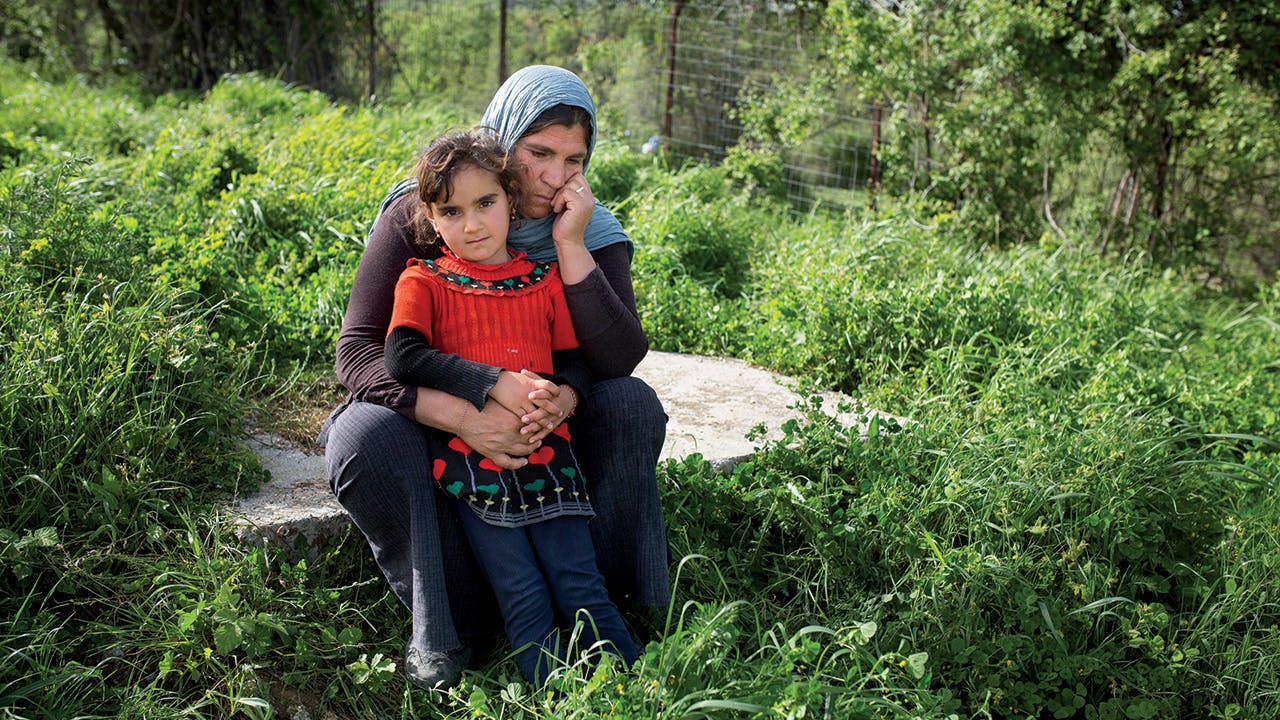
(376, 449)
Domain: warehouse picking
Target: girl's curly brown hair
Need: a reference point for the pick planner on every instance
(478, 148)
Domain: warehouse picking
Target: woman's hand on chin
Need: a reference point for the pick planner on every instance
(573, 205)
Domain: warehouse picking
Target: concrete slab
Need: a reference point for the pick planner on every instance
(712, 403)
(295, 505)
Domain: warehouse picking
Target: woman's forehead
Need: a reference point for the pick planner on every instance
(558, 138)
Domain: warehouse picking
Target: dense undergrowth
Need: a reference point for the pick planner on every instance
(1079, 520)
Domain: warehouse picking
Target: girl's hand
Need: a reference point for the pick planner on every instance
(513, 390)
(553, 406)
(573, 205)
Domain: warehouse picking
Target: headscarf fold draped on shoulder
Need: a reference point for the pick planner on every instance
(521, 99)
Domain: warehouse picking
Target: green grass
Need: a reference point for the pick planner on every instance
(1081, 520)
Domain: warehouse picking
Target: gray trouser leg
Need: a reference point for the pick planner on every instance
(619, 441)
(379, 470)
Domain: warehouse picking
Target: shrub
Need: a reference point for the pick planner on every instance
(758, 170)
(614, 171)
(714, 232)
(118, 405)
(1050, 598)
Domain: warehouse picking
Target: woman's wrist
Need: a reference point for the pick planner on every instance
(462, 419)
(442, 411)
(575, 262)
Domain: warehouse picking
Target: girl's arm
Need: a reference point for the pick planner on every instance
(411, 360)
(569, 386)
(361, 366)
(571, 377)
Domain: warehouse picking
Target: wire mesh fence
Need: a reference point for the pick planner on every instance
(698, 76)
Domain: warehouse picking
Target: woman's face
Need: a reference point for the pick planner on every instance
(546, 160)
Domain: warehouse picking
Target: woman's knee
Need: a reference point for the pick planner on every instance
(370, 443)
(628, 403)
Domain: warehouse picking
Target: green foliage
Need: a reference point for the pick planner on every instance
(614, 173)
(1046, 530)
(453, 67)
(756, 170)
(256, 200)
(1030, 599)
(711, 231)
(993, 107)
(97, 437)
(119, 412)
(617, 65)
(192, 47)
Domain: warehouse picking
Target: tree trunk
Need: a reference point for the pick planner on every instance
(924, 165)
(1126, 187)
(1160, 186)
(373, 49)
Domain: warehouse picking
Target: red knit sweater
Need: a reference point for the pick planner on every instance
(510, 315)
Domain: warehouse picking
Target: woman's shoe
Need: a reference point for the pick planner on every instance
(431, 670)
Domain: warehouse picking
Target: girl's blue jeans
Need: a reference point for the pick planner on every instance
(536, 571)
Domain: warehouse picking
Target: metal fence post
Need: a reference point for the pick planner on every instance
(676, 7)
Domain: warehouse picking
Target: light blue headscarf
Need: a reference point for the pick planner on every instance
(521, 99)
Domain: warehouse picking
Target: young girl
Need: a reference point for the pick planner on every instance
(479, 302)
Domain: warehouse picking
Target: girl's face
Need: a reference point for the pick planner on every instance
(474, 221)
(546, 160)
